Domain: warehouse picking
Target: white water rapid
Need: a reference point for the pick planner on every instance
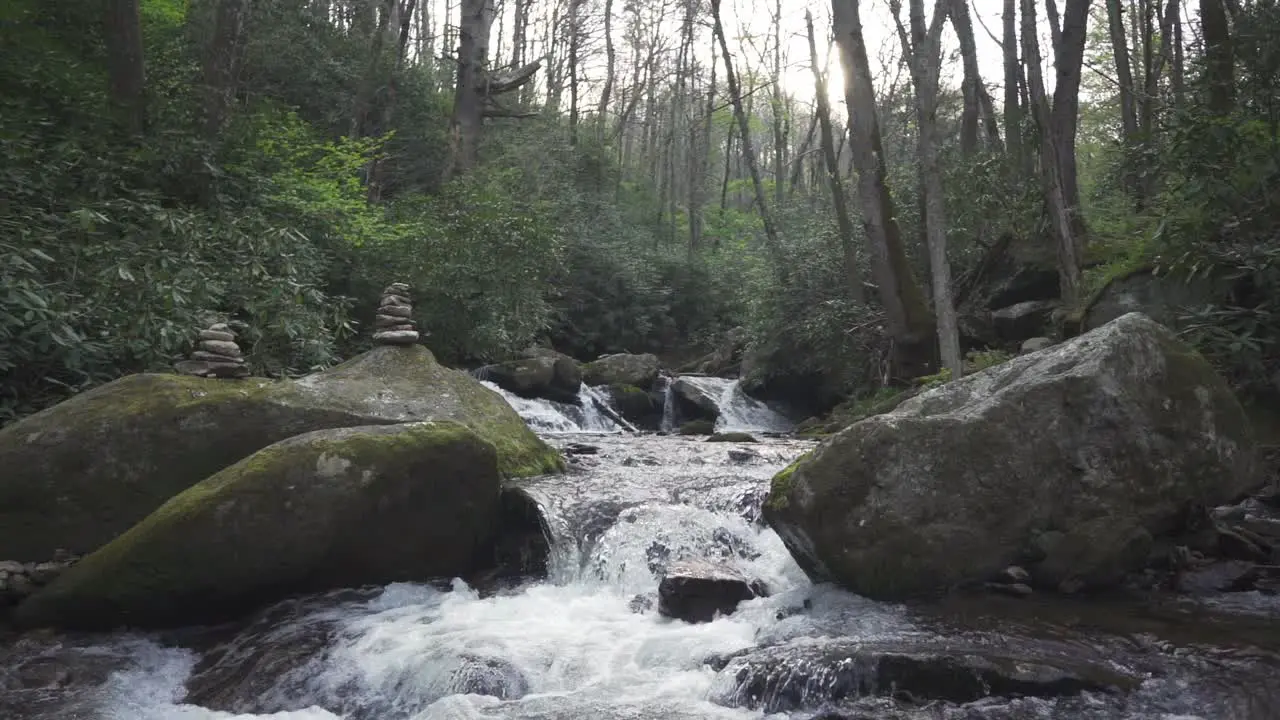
(585, 642)
(738, 411)
(547, 416)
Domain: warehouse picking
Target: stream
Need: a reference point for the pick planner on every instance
(586, 641)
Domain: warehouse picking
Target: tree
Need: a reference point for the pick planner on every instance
(1219, 56)
(772, 240)
(476, 92)
(223, 57)
(910, 324)
(1060, 209)
(844, 222)
(922, 48)
(1065, 117)
(126, 74)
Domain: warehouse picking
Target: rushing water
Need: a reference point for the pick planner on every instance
(590, 414)
(584, 643)
(738, 411)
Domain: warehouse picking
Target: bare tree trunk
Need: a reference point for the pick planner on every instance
(698, 182)
(971, 86)
(222, 63)
(1012, 99)
(126, 73)
(575, 38)
(1124, 76)
(1177, 76)
(1068, 61)
(776, 107)
(1059, 208)
(1219, 56)
(611, 61)
(364, 95)
(468, 101)
(923, 51)
(910, 323)
(844, 222)
(748, 154)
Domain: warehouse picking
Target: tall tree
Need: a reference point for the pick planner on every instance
(1050, 171)
(1069, 63)
(611, 68)
(223, 58)
(774, 244)
(1012, 83)
(910, 323)
(844, 221)
(1219, 56)
(126, 73)
(922, 48)
(971, 85)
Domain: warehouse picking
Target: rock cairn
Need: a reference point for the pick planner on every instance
(216, 355)
(394, 324)
(18, 580)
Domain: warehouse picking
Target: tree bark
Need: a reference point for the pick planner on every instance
(1124, 77)
(611, 67)
(1219, 57)
(468, 101)
(844, 222)
(126, 72)
(922, 50)
(222, 64)
(910, 324)
(1051, 174)
(971, 85)
(1012, 98)
(1069, 61)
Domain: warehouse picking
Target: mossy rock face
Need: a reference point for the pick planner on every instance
(80, 473)
(327, 509)
(641, 408)
(1106, 439)
(698, 427)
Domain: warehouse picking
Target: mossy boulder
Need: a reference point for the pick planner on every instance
(541, 374)
(623, 369)
(1102, 443)
(80, 473)
(326, 509)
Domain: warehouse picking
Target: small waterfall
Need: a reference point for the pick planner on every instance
(668, 404)
(738, 411)
(592, 414)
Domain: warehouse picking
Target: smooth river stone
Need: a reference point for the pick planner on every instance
(218, 335)
(399, 337)
(403, 311)
(218, 347)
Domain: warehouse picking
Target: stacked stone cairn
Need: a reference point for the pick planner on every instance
(216, 355)
(394, 323)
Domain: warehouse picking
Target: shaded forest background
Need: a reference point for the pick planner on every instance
(277, 162)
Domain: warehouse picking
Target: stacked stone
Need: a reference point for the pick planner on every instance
(394, 324)
(216, 355)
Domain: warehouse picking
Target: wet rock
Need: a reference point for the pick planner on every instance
(495, 677)
(742, 455)
(580, 449)
(642, 603)
(698, 591)
(693, 401)
(791, 678)
(328, 509)
(738, 437)
(639, 371)
(1218, 577)
(697, 427)
(1099, 442)
(43, 674)
(1011, 589)
(642, 408)
(535, 377)
(1024, 320)
(1035, 344)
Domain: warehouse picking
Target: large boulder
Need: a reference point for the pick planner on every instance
(327, 509)
(80, 473)
(541, 373)
(623, 369)
(1162, 297)
(1067, 461)
(694, 399)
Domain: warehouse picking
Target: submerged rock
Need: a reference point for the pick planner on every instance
(623, 369)
(696, 591)
(729, 437)
(327, 509)
(1067, 461)
(811, 675)
(80, 473)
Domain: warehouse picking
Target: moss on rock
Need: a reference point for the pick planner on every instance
(80, 473)
(331, 508)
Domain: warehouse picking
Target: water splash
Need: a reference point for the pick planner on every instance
(592, 414)
(738, 411)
